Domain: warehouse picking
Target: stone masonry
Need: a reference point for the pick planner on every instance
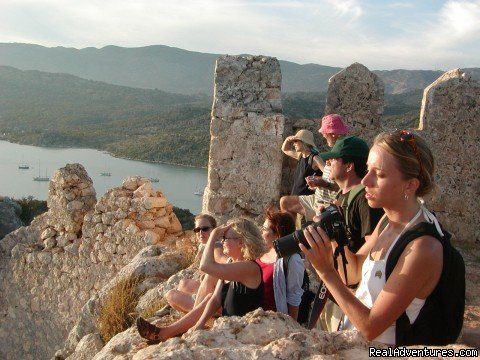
(50, 269)
(356, 93)
(244, 168)
(450, 122)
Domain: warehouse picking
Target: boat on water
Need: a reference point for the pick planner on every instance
(154, 180)
(23, 167)
(198, 193)
(40, 177)
(105, 174)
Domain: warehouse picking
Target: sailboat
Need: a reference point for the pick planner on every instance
(39, 177)
(106, 173)
(23, 165)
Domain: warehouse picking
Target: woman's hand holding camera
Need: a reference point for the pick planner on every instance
(320, 252)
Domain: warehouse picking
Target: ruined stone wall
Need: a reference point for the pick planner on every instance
(243, 182)
(244, 167)
(50, 269)
(450, 122)
(357, 94)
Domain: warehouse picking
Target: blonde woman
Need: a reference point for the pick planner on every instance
(400, 172)
(191, 292)
(240, 288)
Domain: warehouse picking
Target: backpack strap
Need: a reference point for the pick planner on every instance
(310, 159)
(421, 229)
(402, 324)
(285, 268)
(348, 200)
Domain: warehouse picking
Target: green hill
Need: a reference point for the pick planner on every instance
(61, 110)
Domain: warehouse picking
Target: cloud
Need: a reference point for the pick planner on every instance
(350, 8)
(387, 34)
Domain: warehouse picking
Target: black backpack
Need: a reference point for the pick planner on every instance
(306, 304)
(441, 318)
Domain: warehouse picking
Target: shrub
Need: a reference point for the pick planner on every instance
(31, 208)
(117, 311)
(185, 217)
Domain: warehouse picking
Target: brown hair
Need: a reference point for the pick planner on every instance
(254, 246)
(282, 222)
(211, 219)
(414, 157)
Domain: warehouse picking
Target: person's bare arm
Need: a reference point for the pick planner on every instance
(288, 149)
(407, 281)
(212, 307)
(318, 163)
(243, 271)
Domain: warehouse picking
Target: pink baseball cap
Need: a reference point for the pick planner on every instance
(333, 124)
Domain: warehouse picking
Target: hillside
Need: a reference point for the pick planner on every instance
(61, 110)
(181, 71)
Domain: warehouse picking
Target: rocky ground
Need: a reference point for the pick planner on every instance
(471, 255)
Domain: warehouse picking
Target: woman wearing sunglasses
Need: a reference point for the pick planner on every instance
(400, 173)
(282, 290)
(190, 291)
(240, 288)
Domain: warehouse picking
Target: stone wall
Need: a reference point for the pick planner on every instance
(244, 166)
(50, 269)
(243, 182)
(450, 122)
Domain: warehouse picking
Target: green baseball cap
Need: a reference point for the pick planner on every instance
(347, 146)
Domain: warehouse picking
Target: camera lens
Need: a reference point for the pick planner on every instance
(331, 221)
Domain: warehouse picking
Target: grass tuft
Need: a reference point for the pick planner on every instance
(153, 308)
(117, 311)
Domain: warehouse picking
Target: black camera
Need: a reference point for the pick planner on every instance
(331, 220)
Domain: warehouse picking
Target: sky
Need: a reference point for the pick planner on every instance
(380, 34)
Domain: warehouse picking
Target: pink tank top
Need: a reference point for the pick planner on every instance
(267, 277)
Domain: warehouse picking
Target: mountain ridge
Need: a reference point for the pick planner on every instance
(182, 71)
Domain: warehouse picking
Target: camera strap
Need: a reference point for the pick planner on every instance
(323, 294)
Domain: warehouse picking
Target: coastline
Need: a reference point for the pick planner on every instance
(4, 138)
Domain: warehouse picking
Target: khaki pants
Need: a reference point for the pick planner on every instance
(330, 317)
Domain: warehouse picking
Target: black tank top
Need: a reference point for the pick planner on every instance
(304, 168)
(237, 299)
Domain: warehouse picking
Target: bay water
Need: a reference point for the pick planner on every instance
(178, 183)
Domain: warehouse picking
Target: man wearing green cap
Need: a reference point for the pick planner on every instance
(348, 165)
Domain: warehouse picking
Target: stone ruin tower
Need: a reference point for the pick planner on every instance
(450, 122)
(247, 126)
(357, 94)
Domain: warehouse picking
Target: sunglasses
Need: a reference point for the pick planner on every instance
(409, 138)
(202, 228)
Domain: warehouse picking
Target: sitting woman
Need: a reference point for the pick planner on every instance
(400, 171)
(191, 292)
(282, 291)
(240, 289)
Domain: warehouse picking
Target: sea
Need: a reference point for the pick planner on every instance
(180, 184)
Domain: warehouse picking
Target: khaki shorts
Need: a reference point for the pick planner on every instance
(310, 206)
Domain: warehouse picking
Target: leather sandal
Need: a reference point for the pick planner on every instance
(148, 331)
